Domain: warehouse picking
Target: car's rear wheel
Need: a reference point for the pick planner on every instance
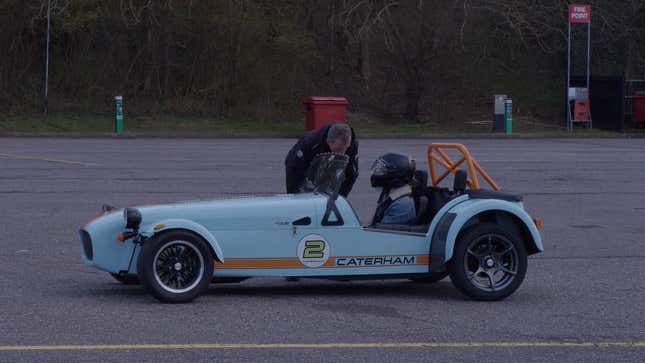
(126, 279)
(488, 263)
(175, 266)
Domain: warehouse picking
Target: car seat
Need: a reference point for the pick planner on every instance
(419, 194)
(436, 198)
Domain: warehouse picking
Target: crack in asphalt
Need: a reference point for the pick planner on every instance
(637, 257)
(50, 160)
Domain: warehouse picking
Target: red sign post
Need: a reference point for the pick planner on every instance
(579, 13)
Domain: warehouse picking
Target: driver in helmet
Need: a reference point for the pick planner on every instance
(393, 172)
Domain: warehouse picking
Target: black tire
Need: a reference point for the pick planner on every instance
(175, 266)
(431, 277)
(488, 262)
(126, 279)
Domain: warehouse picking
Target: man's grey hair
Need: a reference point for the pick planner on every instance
(339, 131)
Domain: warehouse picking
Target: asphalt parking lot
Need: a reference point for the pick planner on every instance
(582, 299)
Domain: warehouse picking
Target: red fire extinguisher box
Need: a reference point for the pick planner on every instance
(321, 110)
(639, 106)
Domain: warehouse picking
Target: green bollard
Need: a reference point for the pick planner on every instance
(118, 114)
(508, 117)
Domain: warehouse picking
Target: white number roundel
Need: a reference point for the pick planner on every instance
(313, 250)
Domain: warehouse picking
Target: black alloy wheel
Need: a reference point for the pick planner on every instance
(176, 266)
(488, 263)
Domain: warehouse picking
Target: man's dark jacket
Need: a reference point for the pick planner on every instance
(314, 142)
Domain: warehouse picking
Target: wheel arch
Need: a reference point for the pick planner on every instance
(510, 216)
(189, 226)
(508, 221)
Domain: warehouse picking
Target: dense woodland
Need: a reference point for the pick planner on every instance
(405, 60)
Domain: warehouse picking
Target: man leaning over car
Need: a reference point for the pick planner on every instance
(336, 137)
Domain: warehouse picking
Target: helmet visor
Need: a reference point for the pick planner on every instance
(380, 167)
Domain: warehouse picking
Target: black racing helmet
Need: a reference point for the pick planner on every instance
(392, 170)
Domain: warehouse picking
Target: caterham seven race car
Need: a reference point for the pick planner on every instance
(479, 237)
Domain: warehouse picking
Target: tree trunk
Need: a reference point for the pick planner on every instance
(364, 59)
(332, 37)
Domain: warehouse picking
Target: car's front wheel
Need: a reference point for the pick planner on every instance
(175, 266)
(488, 263)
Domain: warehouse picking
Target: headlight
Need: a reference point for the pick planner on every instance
(132, 218)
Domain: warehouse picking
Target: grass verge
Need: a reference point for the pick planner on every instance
(76, 124)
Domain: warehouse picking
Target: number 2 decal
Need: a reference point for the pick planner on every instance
(313, 249)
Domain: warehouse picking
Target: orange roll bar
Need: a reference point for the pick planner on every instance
(437, 155)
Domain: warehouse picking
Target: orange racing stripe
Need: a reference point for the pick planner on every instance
(286, 262)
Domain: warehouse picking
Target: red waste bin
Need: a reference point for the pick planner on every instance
(321, 110)
(639, 106)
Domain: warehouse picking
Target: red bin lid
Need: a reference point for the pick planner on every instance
(325, 100)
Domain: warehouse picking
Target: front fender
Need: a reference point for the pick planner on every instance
(445, 236)
(194, 227)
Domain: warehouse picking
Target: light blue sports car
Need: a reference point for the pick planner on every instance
(480, 238)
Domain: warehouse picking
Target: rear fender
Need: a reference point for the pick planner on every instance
(466, 214)
(188, 225)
